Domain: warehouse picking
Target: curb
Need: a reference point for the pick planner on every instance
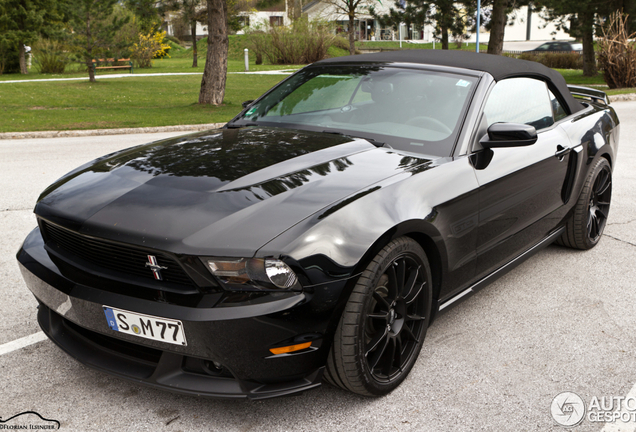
(96, 132)
(623, 97)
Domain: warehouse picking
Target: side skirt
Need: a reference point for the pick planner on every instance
(501, 270)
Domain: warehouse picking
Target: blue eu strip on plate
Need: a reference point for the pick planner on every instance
(110, 317)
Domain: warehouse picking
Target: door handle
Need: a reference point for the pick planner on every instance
(561, 152)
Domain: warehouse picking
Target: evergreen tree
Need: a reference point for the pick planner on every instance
(22, 22)
(94, 28)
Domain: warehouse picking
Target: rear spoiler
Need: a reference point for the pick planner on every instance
(588, 93)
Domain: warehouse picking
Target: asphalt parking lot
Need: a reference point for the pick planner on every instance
(562, 321)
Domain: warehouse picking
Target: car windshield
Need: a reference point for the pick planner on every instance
(408, 109)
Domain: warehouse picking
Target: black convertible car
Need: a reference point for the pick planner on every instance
(321, 231)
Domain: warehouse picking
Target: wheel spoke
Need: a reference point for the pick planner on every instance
(603, 213)
(410, 283)
(389, 358)
(412, 299)
(412, 317)
(603, 182)
(379, 315)
(398, 352)
(603, 203)
(406, 331)
(593, 230)
(400, 274)
(392, 286)
(378, 339)
(384, 305)
(377, 355)
(605, 187)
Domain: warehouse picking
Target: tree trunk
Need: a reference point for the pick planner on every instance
(498, 28)
(444, 37)
(587, 30)
(352, 42)
(298, 9)
(91, 70)
(195, 54)
(215, 72)
(23, 65)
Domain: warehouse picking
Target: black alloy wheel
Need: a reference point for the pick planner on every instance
(601, 194)
(589, 217)
(384, 323)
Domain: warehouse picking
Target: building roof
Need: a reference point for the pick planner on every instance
(500, 67)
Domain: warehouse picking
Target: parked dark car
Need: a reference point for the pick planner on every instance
(324, 228)
(559, 46)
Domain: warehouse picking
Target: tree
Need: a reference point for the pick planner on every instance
(23, 21)
(215, 72)
(191, 12)
(94, 28)
(350, 8)
(577, 17)
(499, 17)
(448, 16)
(148, 12)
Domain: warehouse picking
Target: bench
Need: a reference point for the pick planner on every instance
(111, 64)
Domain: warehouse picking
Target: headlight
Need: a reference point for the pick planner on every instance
(253, 273)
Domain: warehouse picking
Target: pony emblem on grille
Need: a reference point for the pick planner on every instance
(155, 267)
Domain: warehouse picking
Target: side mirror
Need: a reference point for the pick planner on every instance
(247, 103)
(509, 135)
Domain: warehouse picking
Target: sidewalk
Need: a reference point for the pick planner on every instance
(84, 78)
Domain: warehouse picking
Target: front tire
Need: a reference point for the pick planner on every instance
(382, 329)
(585, 227)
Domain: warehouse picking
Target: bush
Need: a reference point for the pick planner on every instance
(148, 47)
(300, 43)
(555, 60)
(617, 54)
(50, 56)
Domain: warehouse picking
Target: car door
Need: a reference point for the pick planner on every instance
(520, 189)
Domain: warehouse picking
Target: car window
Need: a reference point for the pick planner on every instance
(543, 47)
(557, 108)
(519, 100)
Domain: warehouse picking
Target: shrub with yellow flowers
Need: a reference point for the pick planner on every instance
(149, 46)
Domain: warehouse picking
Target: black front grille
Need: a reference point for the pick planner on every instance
(116, 257)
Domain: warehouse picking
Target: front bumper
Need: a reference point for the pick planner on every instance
(237, 338)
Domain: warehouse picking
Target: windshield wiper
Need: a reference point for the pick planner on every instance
(371, 140)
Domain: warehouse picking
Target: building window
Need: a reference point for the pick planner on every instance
(275, 21)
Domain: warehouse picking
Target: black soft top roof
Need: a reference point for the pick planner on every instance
(500, 67)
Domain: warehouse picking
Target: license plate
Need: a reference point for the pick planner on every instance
(145, 326)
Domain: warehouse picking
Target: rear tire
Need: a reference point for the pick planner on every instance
(585, 227)
(384, 323)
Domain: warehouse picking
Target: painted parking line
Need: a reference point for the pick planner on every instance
(22, 342)
(620, 426)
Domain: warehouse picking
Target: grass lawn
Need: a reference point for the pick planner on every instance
(117, 103)
(154, 101)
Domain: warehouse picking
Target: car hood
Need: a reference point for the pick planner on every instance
(225, 191)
